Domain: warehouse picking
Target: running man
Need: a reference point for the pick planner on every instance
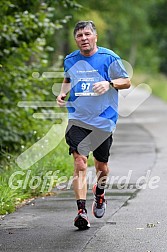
(93, 77)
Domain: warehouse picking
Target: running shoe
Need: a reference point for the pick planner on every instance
(81, 221)
(99, 204)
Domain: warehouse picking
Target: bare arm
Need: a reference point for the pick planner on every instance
(103, 86)
(65, 88)
(121, 83)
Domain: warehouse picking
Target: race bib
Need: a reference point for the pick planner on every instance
(84, 86)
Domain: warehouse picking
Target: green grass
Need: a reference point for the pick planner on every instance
(17, 185)
(157, 82)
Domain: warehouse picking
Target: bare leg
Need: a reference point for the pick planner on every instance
(102, 171)
(79, 181)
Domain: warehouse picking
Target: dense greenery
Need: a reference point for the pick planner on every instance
(158, 21)
(26, 29)
(34, 38)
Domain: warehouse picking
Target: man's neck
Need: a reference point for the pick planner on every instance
(89, 53)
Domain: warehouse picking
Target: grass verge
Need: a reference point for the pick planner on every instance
(157, 82)
(17, 185)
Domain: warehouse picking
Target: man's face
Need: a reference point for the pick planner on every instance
(86, 41)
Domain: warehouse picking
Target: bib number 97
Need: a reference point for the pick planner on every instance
(85, 86)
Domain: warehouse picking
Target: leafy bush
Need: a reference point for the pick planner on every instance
(26, 28)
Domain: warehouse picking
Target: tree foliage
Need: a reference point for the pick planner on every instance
(26, 28)
(135, 30)
(158, 20)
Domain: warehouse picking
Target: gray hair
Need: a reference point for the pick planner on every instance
(82, 24)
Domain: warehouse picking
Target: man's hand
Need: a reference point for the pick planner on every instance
(101, 87)
(60, 100)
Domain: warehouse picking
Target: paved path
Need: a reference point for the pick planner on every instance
(135, 219)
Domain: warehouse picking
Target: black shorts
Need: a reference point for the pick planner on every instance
(83, 140)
